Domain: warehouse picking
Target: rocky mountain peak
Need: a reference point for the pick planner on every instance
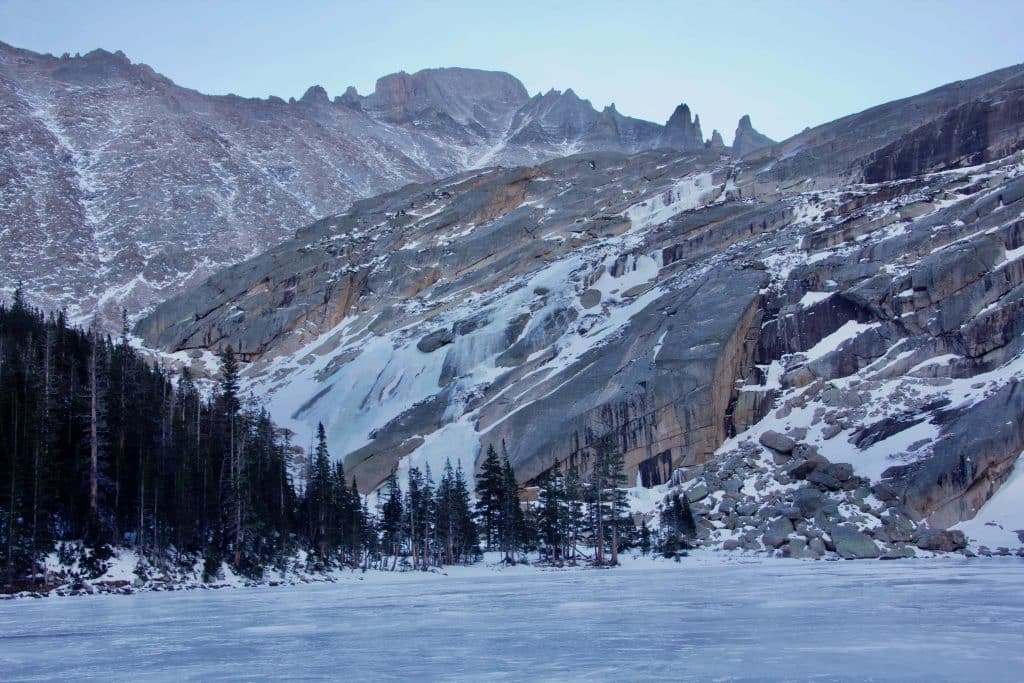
(98, 66)
(463, 94)
(716, 142)
(106, 55)
(315, 95)
(747, 139)
(350, 98)
(681, 132)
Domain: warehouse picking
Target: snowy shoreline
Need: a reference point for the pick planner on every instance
(122, 579)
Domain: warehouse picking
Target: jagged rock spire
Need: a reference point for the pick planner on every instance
(716, 142)
(681, 132)
(747, 139)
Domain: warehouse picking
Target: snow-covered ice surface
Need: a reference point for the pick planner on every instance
(703, 619)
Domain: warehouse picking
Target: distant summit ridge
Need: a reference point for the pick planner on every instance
(228, 176)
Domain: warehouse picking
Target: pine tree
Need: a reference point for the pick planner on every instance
(678, 524)
(445, 523)
(426, 517)
(574, 514)
(318, 495)
(468, 533)
(392, 519)
(511, 519)
(618, 504)
(552, 516)
(489, 491)
(414, 510)
(357, 524)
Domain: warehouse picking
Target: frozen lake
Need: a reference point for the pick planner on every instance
(938, 620)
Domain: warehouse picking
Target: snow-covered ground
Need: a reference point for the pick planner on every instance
(709, 617)
(1001, 522)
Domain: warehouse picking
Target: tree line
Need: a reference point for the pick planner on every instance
(99, 445)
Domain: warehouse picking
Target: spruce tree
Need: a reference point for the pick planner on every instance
(552, 515)
(426, 517)
(489, 491)
(392, 519)
(445, 522)
(511, 519)
(319, 495)
(574, 512)
(468, 532)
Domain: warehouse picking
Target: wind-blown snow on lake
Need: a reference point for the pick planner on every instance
(938, 620)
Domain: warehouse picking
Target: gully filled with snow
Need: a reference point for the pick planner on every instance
(702, 619)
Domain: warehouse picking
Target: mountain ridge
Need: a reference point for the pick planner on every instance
(155, 186)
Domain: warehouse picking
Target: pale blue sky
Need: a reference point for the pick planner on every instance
(788, 64)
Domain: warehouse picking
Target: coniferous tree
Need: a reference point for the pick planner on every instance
(98, 445)
(468, 534)
(552, 517)
(414, 506)
(618, 505)
(356, 534)
(574, 512)
(511, 516)
(392, 519)
(318, 496)
(445, 523)
(490, 492)
(426, 518)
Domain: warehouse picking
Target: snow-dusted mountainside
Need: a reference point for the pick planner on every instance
(119, 188)
(802, 323)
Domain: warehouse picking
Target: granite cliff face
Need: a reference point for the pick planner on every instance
(119, 188)
(789, 334)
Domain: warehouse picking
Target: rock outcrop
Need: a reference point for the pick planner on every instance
(716, 142)
(747, 140)
(807, 361)
(681, 132)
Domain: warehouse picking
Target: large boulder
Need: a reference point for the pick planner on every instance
(777, 442)
(824, 480)
(809, 501)
(435, 340)
(802, 469)
(941, 540)
(852, 544)
(778, 532)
